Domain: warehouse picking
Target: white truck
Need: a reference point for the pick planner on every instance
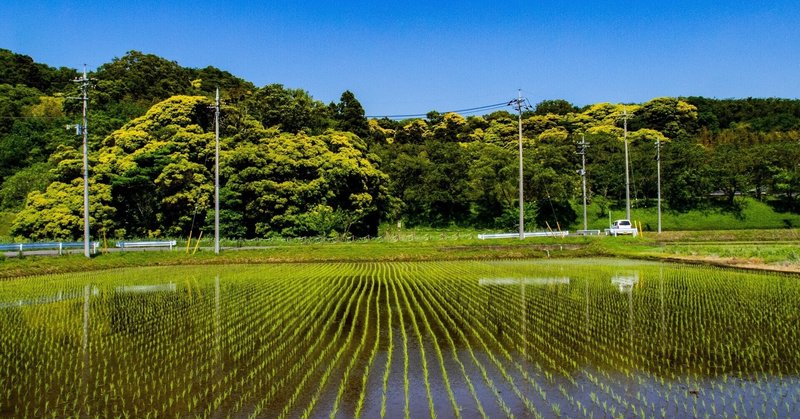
(622, 227)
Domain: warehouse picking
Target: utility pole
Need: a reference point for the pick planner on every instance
(582, 152)
(518, 103)
(216, 175)
(627, 176)
(84, 81)
(658, 176)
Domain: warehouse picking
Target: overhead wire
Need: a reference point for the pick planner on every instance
(458, 111)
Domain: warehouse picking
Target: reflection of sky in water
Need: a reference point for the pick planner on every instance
(524, 281)
(625, 281)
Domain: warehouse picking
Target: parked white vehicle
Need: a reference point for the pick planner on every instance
(621, 227)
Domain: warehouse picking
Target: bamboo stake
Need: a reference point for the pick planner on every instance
(189, 243)
(198, 242)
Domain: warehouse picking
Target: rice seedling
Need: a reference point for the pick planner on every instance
(499, 338)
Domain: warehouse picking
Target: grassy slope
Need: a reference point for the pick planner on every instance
(754, 215)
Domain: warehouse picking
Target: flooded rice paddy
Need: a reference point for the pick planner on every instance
(572, 338)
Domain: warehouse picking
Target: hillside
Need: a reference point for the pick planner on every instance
(294, 166)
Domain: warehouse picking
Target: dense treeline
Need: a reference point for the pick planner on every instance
(294, 166)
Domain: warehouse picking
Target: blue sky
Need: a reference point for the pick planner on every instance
(415, 56)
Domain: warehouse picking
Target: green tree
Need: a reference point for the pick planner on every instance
(672, 117)
(555, 106)
(300, 185)
(18, 69)
(686, 174)
(492, 189)
(16, 187)
(349, 115)
(292, 110)
(140, 77)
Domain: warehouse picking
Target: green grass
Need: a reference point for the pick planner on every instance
(777, 247)
(753, 215)
(357, 251)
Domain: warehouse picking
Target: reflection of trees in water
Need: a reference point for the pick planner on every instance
(138, 311)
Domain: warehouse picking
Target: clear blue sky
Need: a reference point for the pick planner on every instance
(415, 56)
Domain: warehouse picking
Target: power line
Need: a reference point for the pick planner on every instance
(458, 111)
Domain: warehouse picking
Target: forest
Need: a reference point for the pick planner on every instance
(292, 166)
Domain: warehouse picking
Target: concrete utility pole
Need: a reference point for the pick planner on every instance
(216, 175)
(658, 172)
(84, 81)
(582, 152)
(627, 176)
(518, 103)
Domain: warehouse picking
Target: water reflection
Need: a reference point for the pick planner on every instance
(625, 281)
(61, 295)
(524, 281)
(622, 335)
(144, 289)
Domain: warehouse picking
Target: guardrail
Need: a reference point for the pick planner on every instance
(152, 243)
(526, 235)
(60, 246)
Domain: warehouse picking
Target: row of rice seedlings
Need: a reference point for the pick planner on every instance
(640, 360)
(428, 303)
(454, 404)
(711, 310)
(407, 307)
(265, 358)
(479, 332)
(469, 307)
(202, 369)
(515, 336)
(545, 311)
(385, 280)
(552, 317)
(285, 365)
(404, 334)
(173, 372)
(484, 373)
(117, 383)
(348, 371)
(354, 298)
(365, 375)
(212, 385)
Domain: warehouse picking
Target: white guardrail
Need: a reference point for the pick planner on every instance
(151, 243)
(60, 246)
(531, 234)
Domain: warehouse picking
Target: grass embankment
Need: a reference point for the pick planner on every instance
(750, 249)
(749, 214)
(753, 249)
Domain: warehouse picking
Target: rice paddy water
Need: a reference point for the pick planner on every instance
(544, 338)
